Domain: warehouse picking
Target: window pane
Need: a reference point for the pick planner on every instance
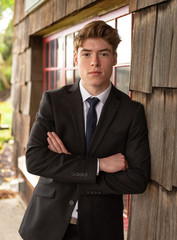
(46, 81)
(53, 49)
(111, 23)
(122, 79)
(52, 79)
(69, 77)
(69, 51)
(58, 79)
(77, 77)
(47, 55)
(124, 48)
(60, 52)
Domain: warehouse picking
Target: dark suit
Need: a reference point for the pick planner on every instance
(68, 178)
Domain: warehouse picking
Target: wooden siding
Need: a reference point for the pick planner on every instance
(143, 49)
(161, 113)
(153, 215)
(139, 4)
(154, 42)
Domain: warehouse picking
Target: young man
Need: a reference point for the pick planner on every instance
(85, 170)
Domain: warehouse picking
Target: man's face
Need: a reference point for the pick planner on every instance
(95, 60)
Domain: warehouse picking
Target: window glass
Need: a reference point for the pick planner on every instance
(46, 81)
(53, 59)
(52, 79)
(124, 48)
(69, 76)
(111, 23)
(123, 78)
(69, 51)
(77, 77)
(47, 54)
(60, 52)
(58, 79)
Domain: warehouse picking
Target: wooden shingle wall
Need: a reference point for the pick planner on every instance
(153, 215)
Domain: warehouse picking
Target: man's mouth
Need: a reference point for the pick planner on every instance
(95, 73)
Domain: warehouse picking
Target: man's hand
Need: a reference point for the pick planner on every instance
(55, 143)
(114, 163)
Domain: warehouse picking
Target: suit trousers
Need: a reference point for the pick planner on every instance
(71, 232)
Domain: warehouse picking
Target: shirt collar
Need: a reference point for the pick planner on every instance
(102, 96)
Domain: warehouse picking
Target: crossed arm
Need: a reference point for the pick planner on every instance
(111, 164)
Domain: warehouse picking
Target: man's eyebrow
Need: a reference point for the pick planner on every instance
(101, 50)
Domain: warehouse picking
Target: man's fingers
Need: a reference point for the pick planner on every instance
(56, 143)
(51, 145)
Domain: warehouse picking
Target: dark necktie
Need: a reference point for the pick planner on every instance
(91, 119)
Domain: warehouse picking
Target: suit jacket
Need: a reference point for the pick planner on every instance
(66, 179)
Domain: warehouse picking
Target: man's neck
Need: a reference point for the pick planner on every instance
(95, 90)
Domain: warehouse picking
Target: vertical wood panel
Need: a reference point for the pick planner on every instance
(173, 60)
(133, 5)
(167, 215)
(59, 9)
(143, 214)
(143, 48)
(163, 46)
(161, 113)
(146, 3)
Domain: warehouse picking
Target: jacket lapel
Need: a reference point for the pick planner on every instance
(76, 109)
(108, 113)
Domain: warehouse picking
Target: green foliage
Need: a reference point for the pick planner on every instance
(1, 85)
(6, 119)
(6, 41)
(6, 46)
(4, 4)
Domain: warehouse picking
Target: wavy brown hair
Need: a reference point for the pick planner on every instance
(97, 29)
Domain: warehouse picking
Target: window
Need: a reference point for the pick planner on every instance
(59, 68)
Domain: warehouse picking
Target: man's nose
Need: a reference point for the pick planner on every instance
(95, 60)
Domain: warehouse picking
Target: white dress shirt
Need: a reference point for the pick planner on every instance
(85, 95)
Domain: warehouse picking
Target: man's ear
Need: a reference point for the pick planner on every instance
(115, 59)
(76, 58)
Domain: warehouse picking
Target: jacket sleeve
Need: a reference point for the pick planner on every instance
(133, 180)
(43, 162)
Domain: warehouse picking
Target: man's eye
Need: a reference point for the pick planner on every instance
(85, 54)
(103, 54)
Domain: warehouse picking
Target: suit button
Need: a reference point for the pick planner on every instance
(85, 174)
(71, 202)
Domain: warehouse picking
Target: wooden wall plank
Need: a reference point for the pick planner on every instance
(143, 49)
(143, 214)
(170, 140)
(153, 214)
(139, 4)
(167, 215)
(25, 99)
(36, 94)
(133, 5)
(18, 11)
(163, 46)
(173, 60)
(161, 113)
(59, 9)
(36, 44)
(147, 3)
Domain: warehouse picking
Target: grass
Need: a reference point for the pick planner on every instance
(6, 119)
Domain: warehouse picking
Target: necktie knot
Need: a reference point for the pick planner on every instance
(93, 101)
